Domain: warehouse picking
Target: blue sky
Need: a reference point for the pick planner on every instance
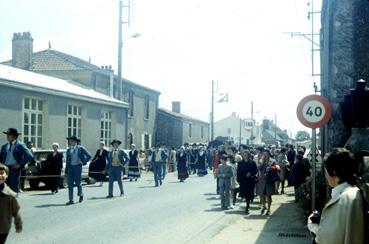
(184, 44)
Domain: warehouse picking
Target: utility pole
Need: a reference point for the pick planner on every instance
(240, 130)
(120, 43)
(212, 111)
(275, 127)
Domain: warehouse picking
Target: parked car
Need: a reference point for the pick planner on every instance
(36, 170)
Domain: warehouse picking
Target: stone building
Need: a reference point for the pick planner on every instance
(272, 134)
(142, 100)
(47, 109)
(175, 129)
(344, 60)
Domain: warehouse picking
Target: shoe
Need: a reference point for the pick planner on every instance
(161, 182)
(122, 194)
(263, 210)
(130, 180)
(101, 184)
(109, 196)
(69, 203)
(80, 199)
(268, 213)
(136, 179)
(156, 185)
(247, 212)
(282, 192)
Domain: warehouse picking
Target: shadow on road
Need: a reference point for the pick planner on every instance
(41, 194)
(214, 210)
(97, 198)
(285, 225)
(210, 194)
(145, 187)
(50, 205)
(212, 198)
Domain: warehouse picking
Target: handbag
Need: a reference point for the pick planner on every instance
(272, 177)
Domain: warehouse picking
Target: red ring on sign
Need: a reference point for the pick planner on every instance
(327, 107)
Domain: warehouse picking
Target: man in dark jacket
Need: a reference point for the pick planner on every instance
(15, 155)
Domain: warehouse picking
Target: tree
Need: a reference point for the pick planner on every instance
(302, 135)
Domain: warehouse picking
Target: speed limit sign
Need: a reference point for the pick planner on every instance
(314, 111)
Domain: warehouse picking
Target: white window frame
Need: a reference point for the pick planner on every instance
(33, 125)
(106, 127)
(75, 128)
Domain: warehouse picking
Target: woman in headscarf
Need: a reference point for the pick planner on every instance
(246, 177)
(182, 164)
(134, 170)
(201, 162)
(266, 186)
(53, 166)
(98, 164)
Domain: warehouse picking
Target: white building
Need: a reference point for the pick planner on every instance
(233, 126)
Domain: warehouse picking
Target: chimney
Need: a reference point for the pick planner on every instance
(22, 50)
(176, 107)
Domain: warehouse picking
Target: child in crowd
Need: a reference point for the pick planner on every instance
(9, 207)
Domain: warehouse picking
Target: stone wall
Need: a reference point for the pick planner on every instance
(344, 59)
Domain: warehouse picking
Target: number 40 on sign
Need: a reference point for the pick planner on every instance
(314, 111)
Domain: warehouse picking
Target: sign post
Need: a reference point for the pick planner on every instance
(314, 112)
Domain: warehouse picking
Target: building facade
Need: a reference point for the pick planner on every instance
(232, 127)
(143, 101)
(47, 109)
(175, 129)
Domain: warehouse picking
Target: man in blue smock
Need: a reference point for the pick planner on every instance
(15, 155)
(77, 156)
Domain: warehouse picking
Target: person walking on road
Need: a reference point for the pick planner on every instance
(15, 156)
(98, 164)
(77, 156)
(224, 174)
(246, 177)
(133, 166)
(201, 162)
(172, 162)
(116, 161)
(9, 207)
(53, 167)
(266, 186)
(159, 158)
(182, 164)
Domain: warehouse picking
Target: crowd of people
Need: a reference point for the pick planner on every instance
(242, 172)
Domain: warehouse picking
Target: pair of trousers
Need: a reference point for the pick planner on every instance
(13, 179)
(164, 170)
(115, 174)
(74, 176)
(158, 171)
(224, 190)
(3, 238)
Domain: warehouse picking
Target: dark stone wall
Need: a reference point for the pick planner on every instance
(169, 130)
(344, 59)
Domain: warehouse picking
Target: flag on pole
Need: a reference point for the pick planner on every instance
(224, 98)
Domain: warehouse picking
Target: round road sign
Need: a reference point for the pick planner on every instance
(314, 111)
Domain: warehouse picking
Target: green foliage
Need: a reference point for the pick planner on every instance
(302, 136)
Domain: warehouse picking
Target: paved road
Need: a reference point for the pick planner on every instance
(174, 213)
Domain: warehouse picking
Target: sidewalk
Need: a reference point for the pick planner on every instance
(286, 225)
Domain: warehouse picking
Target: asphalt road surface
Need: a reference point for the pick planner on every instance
(177, 212)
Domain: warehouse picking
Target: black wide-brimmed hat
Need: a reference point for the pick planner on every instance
(12, 131)
(115, 141)
(74, 138)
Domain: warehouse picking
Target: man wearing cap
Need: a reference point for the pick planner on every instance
(15, 155)
(76, 157)
(116, 160)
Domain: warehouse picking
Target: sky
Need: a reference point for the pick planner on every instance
(183, 45)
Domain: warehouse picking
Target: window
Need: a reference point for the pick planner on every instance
(105, 129)
(147, 107)
(202, 131)
(147, 141)
(74, 120)
(190, 130)
(131, 103)
(32, 121)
